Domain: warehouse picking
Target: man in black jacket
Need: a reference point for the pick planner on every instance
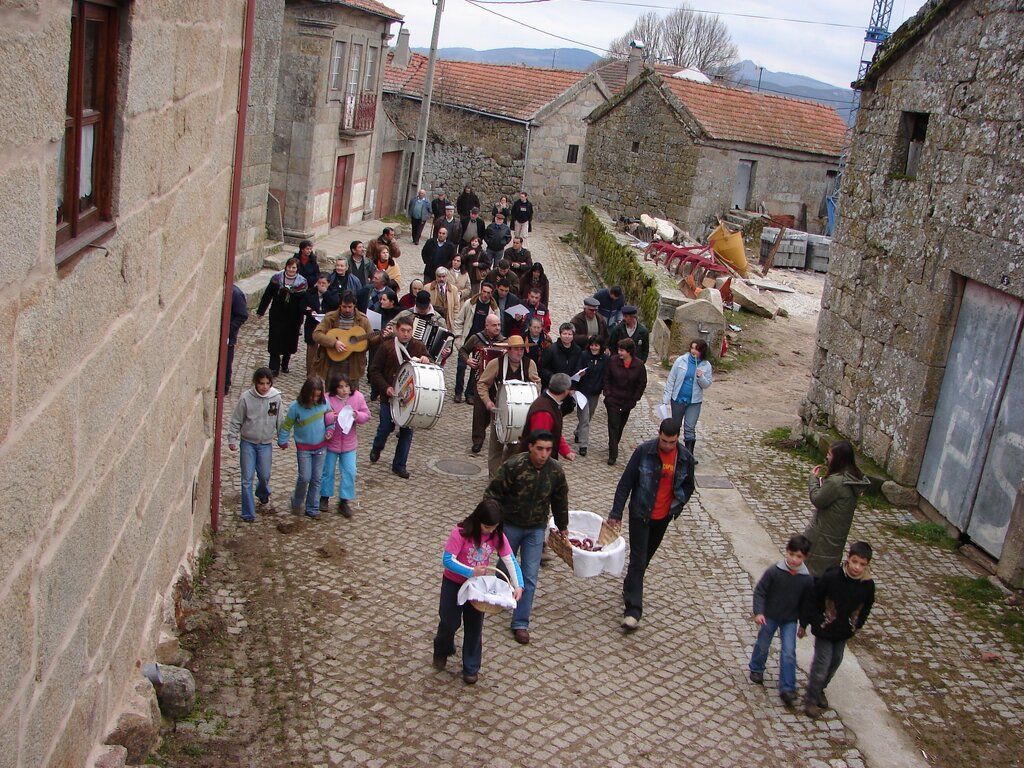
(658, 480)
(561, 357)
(522, 216)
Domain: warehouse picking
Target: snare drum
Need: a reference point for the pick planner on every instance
(514, 401)
(419, 395)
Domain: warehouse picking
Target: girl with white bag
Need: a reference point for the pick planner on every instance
(467, 554)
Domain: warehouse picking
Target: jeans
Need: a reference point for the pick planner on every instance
(644, 540)
(526, 544)
(346, 463)
(828, 655)
(687, 413)
(585, 415)
(787, 659)
(450, 615)
(307, 484)
(387, 426)
(254, 458)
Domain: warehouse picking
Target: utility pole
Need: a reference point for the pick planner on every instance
(428, 90)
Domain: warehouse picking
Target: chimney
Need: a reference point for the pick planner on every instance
(635, 63)
(402, 56)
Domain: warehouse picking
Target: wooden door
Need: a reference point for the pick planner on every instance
(386, 187)
(340, 201)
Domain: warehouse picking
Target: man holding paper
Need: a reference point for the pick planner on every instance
(356, 329)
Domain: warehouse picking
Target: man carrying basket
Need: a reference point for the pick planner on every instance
(658, 479)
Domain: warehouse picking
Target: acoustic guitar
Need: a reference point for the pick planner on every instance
(353, 340)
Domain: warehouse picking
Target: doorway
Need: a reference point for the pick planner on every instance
(386, 187)
(975, 451)
(744, 182)
(340, 199)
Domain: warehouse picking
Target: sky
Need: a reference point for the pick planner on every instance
(825, 52)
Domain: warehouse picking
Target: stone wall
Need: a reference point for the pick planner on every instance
(553, 183)
(784, 182)
(259, 136)
(659, 177)
(465, 148)
(106, 427)
(307, 143)
(904, 246)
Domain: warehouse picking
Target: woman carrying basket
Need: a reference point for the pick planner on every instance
(468, 553)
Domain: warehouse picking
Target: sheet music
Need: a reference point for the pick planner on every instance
(664, 411)
(578, 375)
(581, 399)
(346, 418)
(374, 318)
(518, 309)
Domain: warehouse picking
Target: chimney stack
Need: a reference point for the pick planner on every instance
(635, 63)
(402, 55)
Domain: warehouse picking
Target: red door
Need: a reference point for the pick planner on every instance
(340, 205)
(386, 188)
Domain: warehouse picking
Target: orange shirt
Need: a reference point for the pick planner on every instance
(663, 501)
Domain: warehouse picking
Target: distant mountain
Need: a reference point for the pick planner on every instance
(844, 100)
(556, 58)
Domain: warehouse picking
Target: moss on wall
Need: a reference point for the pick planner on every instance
(617, 263)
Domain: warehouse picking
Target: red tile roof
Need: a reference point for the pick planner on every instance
(514, 92)
(372, 6)
(735, 114)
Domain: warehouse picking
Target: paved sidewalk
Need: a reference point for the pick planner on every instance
(330, 626)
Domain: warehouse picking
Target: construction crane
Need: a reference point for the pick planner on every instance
(876, 33)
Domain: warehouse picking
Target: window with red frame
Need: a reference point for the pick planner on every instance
(86, 155)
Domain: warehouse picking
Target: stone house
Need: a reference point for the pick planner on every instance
(689, 151)
(115, 189)
(495, 127)
(920, 359)
(312, 154)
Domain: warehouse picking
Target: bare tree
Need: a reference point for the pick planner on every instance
(684, 38)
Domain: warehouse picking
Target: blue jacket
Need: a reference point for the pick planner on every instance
(640, 481)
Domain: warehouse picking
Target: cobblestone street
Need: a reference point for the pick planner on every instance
(326, 660)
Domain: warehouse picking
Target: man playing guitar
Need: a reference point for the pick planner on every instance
(343, 337)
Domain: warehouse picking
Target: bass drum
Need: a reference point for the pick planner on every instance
(514, 400)
(419, 395)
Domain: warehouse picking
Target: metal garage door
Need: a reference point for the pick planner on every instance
(973, 460)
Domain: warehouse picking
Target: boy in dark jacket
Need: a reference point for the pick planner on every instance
(781, 600)
(842, 600)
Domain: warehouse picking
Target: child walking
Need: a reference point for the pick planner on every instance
(306, 415)
(842, 600)
(781, 602)
(467, 553)
(341, 448)
(256, 419)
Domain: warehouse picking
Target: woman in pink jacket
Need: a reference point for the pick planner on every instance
(341, 448)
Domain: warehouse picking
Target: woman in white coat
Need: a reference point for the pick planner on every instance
(684, 390)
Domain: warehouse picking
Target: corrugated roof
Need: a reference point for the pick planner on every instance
(735, 114)
(514, 92)
(372, 6)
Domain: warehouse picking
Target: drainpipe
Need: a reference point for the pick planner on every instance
(229, 261)
(526, 155)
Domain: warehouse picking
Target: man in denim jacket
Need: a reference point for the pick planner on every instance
(658, 481)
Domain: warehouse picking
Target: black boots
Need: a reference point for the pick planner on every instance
(689, 446)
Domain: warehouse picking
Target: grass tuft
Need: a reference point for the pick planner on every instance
(983, 603)
(933, 534)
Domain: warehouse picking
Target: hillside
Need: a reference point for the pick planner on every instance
(556, 58)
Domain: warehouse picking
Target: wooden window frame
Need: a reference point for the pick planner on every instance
(370, 69)
(78, 228)
(336, 79)
(353, 85)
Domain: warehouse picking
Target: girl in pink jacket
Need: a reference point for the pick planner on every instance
(341, 447)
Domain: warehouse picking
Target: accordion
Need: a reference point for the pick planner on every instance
(438, 341)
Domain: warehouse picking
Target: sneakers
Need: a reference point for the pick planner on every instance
(630, 623)
(324, 501)
(757, 677)
(344, 509)
(788, 698)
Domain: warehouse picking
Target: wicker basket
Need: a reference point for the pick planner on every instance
(489, 609)
(563, 548)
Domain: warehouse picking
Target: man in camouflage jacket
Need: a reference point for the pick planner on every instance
(529, 486)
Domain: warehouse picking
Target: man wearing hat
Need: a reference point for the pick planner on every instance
(449, 221)
(438, 204)
(496, 237)
(590, 323)
(631, 328)
(513, 365)
(422, 310)
(472, 226)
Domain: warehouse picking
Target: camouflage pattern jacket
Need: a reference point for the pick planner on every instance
(527, 495)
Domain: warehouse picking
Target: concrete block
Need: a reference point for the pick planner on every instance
(150, 81)
(34, 76)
